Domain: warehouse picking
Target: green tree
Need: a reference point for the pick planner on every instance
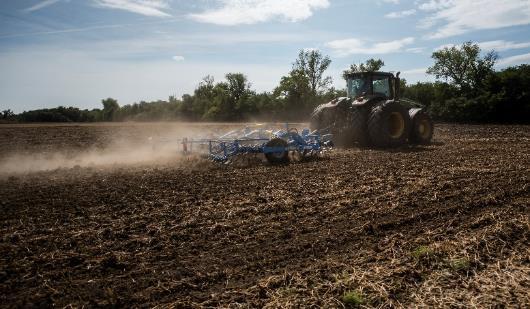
(7, 114)
(238, 86)
(266, 107)
(110, 107)
(514, 85)
(371, 65)
(463, 66)
(239, 92)
(186, 108)
(205, 88)
(221, 107)
(229, 99)
(423, 93)
(313, 64)
(203, 97)
(294, 93)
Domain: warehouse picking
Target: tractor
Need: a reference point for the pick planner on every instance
(373, 114)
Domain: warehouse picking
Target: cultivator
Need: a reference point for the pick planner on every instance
(275, 145)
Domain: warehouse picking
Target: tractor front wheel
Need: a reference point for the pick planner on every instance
(322, 118)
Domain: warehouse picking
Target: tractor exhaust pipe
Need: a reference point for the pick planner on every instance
(397, 87)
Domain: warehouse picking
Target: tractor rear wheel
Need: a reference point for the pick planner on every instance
(422, 127)
(278, 157)
(358, 126)
(389, 124)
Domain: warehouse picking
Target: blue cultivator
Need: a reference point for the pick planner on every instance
(275, 145)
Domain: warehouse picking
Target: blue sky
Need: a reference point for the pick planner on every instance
(77, 52)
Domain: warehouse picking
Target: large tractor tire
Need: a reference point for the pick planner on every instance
(389, 125)
(422, 127)
(359, 132)
(329, 117)
(279, 157)
(321, 118)
(316, 119)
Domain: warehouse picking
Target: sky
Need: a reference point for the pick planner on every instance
(78, 52)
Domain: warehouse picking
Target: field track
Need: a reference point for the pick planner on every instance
(442, 225)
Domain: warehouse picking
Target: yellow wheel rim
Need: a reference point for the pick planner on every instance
(396, 126)
(424, 129)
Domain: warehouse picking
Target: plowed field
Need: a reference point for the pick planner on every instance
(442, 225)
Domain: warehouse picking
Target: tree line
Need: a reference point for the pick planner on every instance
(467, 89)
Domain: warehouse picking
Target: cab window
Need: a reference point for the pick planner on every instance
(381, 85)
(358, 87)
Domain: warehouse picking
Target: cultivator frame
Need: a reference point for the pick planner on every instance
(275, 145)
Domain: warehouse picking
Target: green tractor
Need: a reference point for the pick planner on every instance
(373, 114)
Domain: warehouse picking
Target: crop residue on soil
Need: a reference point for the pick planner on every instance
(437, 226)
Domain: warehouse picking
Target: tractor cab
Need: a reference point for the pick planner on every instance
(373, 84)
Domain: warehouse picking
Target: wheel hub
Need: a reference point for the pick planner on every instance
(424, 129)
(396, 125)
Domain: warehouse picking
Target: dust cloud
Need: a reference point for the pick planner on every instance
(116, 154)
(53, 147)
(130, 147)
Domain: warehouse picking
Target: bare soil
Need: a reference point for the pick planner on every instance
(444, 225)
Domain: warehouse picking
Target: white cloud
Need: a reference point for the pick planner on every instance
(401, 14)
(455, 17)
(355, 46)
(434, 5)
(501, 45)
(178, 58)
(415, 71)
(444, 46)
(144, 7)
(235, 12)
(41, 5)
(416, 75)
(514, 60)
(391, 1)
(415, 50)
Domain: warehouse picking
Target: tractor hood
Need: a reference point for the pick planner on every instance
(367, 99)
(338, 102)
(345, 102)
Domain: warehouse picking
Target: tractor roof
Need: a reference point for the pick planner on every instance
(358, 74)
